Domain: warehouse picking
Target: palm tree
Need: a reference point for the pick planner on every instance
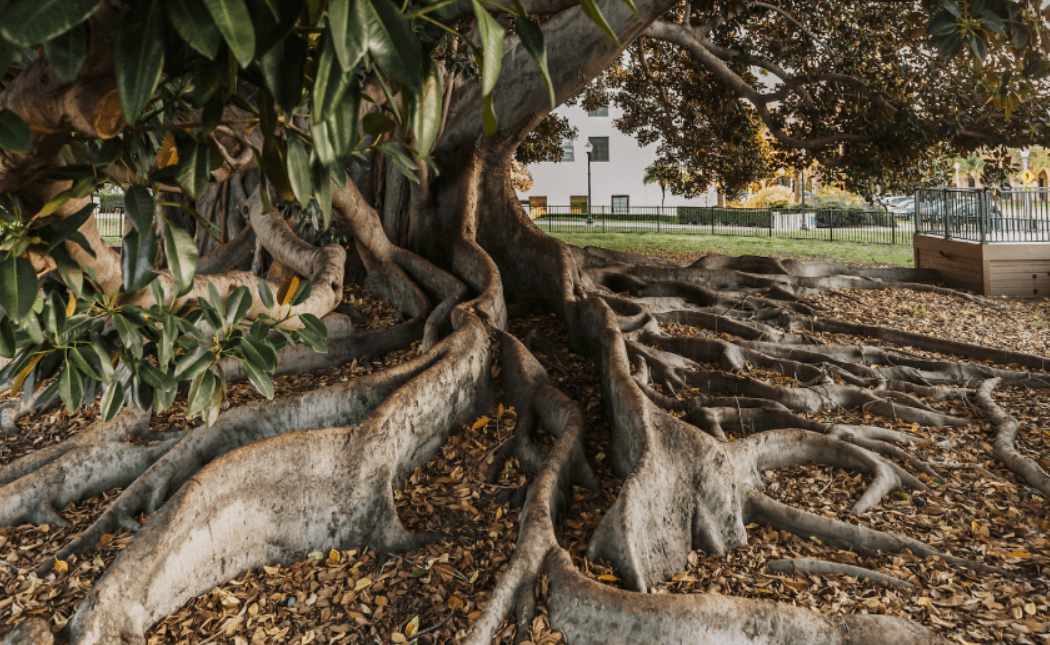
(660, 172)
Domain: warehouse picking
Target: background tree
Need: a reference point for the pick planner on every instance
(385, 134)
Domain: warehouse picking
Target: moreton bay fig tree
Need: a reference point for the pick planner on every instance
(269, 151)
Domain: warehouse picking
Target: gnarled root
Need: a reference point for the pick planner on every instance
(324, 489)
(824, 568)
(589, 613)
(1005, 438)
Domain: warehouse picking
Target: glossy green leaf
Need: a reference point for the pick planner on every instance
(73, 328)
(112, 401)
(7, 338)
(597, 17)
(314, 324)
(181, 252)
(532, 38)
(20, 287)
(192, 364)
(348, 47)
(492, 34)
(193, 172)
(138, 255)
(298, 170)
(65, 53)
(283, 69)
(235, 24)
(67, 228)
(330, 84)
(312, 340)
(260, 379)
(426, 111)
(384, 32)
(159, 379)
(139, 206)
(79, 356)
(28, 22)
(237, 305)
(195, 26)
(139, 57)
(266, 293)
(71, 387)
(129, 335)
(14, 133)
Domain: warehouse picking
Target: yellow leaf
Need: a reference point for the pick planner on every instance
(61, 566)
(499, 512)
(1017, 554)
(608, 578)
(106, 539)
(168, 155)
(24, 374)
(455, 602)
(362, 583)
(43, 528)
(333, 555)
(72, 307)
(499, 411)
(480, 423)
(287, 290)
(412, 627)
(924, 601)
(109, 119)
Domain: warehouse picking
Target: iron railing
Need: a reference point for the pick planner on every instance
(984, 215)
(110, 221)
(869, 227)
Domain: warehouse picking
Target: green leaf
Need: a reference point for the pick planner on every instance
(164, 397)
(65, 53)
(348, 47)
(384, 32)
(260, 379)
(312, 340)
(237, 305)
(181, 252)
(532, 38)
(314, 324)
(129, 335)
(73, 328)
(104, 362)
(7, 338)
(235, 25)
(324, 200)
(283, 69)
(14, 133)
(112, 401)
(377, 123)
(139, 57)
(79, 356)
(596, 16)
(160, 380)
(192, 364)
(20, 287)
(70, 387)
(330, 84)
(193, 172)
(250, 351)
(138, 255)
(191, 20)
(298, 170)
(138, 203)
(302, 293)
(490, 117)
(491, 33)
(66, 228)
(266, 293)
(28, 22)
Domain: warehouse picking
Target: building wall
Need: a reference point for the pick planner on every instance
(621, 175)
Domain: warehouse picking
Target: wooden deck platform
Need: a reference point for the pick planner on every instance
(1017, 269)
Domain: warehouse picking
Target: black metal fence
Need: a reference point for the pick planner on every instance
(984, 215)
(869, 227)
(110, 221)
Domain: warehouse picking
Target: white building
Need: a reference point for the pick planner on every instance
(618, 165)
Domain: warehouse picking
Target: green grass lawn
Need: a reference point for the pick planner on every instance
(689, 247)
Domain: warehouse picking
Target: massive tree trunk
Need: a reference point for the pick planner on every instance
(272, 482)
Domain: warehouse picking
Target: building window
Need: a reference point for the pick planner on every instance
(602, 111)
(578, 204)
(599, 148)
(567, 152)
(537, 206)
(621, 204)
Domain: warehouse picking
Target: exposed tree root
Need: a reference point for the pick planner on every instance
(823, 567)
(1005, 439)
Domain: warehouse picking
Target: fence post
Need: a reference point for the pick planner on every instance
(658, 216)
(769, 214)
(893, 227)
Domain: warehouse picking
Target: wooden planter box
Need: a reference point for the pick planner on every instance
(1017, 269)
